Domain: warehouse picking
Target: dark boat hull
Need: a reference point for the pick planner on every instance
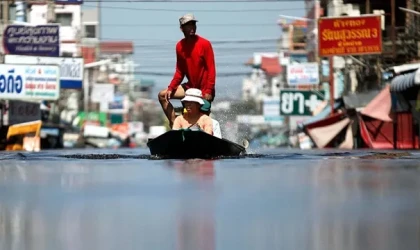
(179, 144)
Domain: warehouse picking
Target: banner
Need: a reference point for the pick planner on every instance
(41, 40)
(360, 35)
(29, 82)
(71, 69)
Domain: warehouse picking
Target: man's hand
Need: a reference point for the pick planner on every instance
(208, 97)
(168, 95)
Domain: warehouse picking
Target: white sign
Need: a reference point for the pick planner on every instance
(271, 106)
(29, 82)
(135, 127)
(102, 92)
(303, 74)
(71, 69)
(20, 112)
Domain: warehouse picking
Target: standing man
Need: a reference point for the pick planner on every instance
(195, 60)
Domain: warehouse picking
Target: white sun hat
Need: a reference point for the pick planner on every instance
(193, 95)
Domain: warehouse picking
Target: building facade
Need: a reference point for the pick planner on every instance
(69, 17)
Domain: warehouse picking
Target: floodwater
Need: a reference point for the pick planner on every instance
(279, 199)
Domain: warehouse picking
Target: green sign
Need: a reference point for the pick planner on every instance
(299, 102)
(99, 117)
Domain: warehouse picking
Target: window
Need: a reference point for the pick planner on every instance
(65, 19)
(90, 31)
(67, 54)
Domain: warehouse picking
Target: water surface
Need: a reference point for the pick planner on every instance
(277, 199)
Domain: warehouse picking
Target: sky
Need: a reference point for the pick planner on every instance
(154, 28)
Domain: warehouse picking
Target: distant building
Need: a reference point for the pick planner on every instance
(265, 78)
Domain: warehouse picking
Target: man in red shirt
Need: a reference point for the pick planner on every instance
(195, 60)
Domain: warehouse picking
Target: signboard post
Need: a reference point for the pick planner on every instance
(71, 69)
(41, 40)
(344, 36)
(299, 102)
(29, 82)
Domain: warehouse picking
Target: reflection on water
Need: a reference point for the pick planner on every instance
(198, 204)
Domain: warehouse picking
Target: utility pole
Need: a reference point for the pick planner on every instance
(394, 47)
(367, 6)
(4, 5)
(50, 11)
(98, 8)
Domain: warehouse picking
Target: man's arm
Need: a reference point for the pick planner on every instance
(208, 125)
(211, 67)
(179, 70)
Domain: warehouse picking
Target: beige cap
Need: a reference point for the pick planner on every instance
(187, 18)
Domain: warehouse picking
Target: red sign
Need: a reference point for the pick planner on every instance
(350, 35)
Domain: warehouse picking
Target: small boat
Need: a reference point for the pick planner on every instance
(190, 144)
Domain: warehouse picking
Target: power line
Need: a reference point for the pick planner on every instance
(191, 1)
(214, 42)
(171, 74)
(194, 10)
(172, 65)
(130, 25)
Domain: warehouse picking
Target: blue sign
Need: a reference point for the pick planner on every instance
(29, 82)
(118, 102)
(11, 83)
(68, 1)
(41, 40)
(71, 69)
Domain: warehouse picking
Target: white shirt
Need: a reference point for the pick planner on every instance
(216, 129)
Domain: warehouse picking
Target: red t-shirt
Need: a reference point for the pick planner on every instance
(195, 60)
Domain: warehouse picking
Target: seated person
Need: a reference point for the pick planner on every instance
(205, 109)
(193, 118)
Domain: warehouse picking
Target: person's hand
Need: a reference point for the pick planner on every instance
(168, 95)
(208, 97)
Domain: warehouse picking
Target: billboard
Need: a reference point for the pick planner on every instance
(303, 74)
(40, 40)
(71, 69)
(360, 35)
(20, 112)
(29, 82)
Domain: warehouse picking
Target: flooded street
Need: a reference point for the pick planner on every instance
(280, 199)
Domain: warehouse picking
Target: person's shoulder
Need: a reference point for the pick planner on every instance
(205, 117)
(203, 41)
(179, 44)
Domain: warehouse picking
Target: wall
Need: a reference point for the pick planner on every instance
(69, 32)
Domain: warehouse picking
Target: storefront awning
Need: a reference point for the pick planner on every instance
(380, 107)
(406, 81)
(321, 115)
(323, 135)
